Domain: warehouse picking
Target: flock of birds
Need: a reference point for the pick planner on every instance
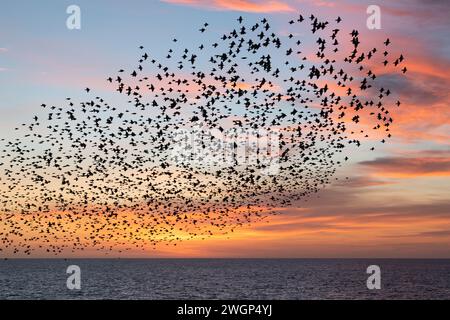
(96, 175)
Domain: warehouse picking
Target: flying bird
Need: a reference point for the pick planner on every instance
(177, 158)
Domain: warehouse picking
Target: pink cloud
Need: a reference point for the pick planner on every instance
(238, 5)
(403, 167)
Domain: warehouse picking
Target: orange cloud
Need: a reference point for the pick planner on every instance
(301, 233)
(409, 167)
(424, 112)
(238, 5)
(429, 68)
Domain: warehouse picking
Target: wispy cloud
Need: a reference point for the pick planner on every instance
(409, 167)
(238, 5)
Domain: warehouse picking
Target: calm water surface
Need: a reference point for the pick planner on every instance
(225, 279)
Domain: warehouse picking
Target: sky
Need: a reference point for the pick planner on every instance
(396, 202)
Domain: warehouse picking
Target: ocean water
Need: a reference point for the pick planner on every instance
(225, 279)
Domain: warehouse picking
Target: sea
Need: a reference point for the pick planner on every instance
(223, 279)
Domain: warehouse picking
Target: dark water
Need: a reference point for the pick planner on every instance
(225, 279)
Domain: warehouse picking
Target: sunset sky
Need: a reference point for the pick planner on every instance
(396, 202)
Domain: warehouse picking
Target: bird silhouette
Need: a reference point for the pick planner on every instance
(183, 156)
